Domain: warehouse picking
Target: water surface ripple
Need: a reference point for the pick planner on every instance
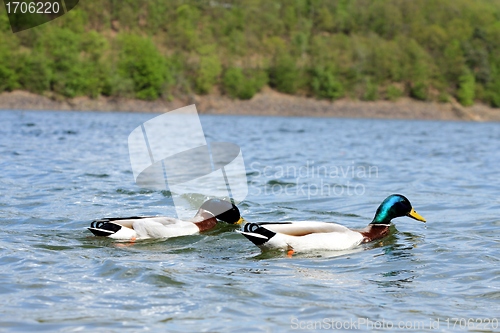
(60, 170)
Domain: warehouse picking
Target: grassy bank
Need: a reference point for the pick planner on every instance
(359, 49)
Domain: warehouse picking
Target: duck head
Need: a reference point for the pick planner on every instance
(393, 206)
(223, 210)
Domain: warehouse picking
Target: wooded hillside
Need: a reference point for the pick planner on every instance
(368, 50)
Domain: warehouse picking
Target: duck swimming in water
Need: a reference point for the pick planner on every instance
(143, 227)
(312, 235)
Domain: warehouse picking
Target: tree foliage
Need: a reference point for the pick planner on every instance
(243, 84)
(148, 49)
(141, 63)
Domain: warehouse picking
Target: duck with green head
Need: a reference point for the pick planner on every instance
(313, 235)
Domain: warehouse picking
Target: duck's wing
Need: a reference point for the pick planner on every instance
(301, 236)
(121, 221)
(128, 222)
(164, 228)
(142, 227)
(302, 228)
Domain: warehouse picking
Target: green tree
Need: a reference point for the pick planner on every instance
(8, 76)
(453, 60)
(370, 90)
(141, 62)
(493, 87)
(494, 93)
(208, 71)
(325, 83)
(417, 71)
(237, 84)
(466, 88)
(34, 72)
(184, 28)
(393, 93)
(61, 48)
(419, 90)
(325, 20)
(284, 74)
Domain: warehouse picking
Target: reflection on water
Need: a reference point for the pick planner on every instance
(60, 170)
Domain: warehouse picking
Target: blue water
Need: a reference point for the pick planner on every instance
(61, 170)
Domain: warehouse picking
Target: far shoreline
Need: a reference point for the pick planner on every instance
(266, 103)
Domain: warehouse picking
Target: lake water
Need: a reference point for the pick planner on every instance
(61, 170)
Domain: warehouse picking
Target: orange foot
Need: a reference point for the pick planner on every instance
(289, 253)
(132, 242)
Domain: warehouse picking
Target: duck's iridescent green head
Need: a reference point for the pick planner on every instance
(223, 210)
(394, 206)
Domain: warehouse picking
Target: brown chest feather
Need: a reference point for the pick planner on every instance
(204, 221)
(374, 232)
(207, 224)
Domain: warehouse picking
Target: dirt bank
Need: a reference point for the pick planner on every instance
(268, 102)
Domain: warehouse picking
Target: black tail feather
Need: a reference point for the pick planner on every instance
(104, 228)
(254, 228)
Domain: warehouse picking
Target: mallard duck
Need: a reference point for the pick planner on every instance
(143, 227)
(311, 235)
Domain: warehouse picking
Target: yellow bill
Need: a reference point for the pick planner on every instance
(240, 221)
(416, 216)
